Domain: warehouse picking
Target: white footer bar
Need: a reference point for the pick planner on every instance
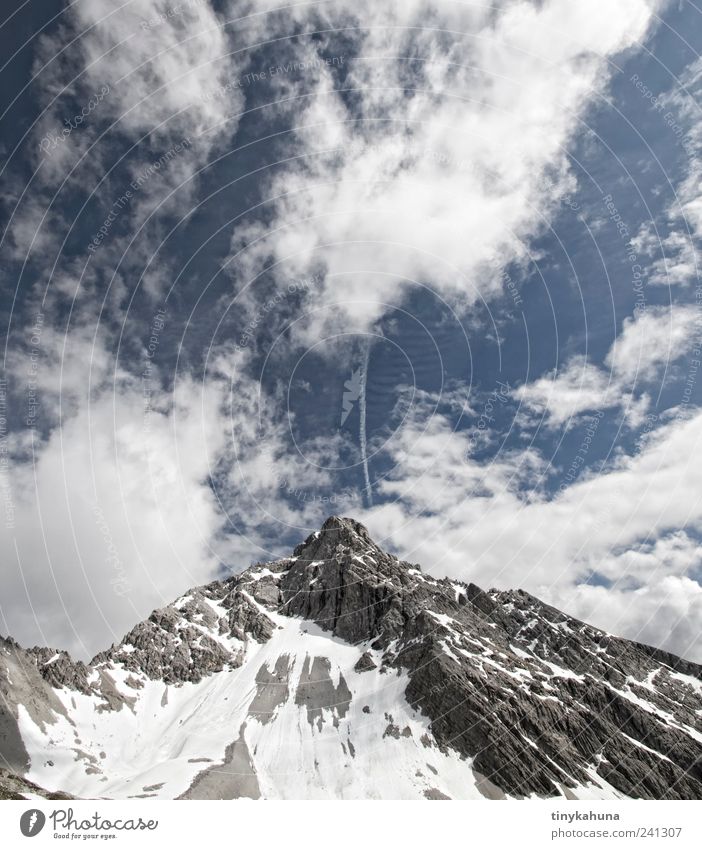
(351, 825)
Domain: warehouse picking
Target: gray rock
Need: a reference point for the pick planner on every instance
(234, 779)
(13, 786)
(365, 663)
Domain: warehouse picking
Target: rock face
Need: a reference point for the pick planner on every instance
(307, 672)
(14, 787)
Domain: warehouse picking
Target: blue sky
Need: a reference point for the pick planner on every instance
(432, 265)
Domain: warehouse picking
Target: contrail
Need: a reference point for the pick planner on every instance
(362, 424)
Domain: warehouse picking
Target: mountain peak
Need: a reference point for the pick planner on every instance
(344, 524)
(341, 579)
(337, 535)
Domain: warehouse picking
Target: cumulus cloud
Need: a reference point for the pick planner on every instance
(112, 517)
(665, 612)
(643, 353)
(158, 62)
(566, 393)
(651, 341)
(440, 166)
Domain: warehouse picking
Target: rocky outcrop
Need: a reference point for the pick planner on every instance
(345, 583)
(22, 683)
(200, 634)
(59, 669)
(15, 787)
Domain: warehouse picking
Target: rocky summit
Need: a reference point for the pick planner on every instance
(343, 672)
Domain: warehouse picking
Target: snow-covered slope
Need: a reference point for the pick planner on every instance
(342, 672)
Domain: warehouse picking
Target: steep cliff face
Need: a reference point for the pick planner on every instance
(343, 672)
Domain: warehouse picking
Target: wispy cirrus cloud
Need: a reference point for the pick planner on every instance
(675, 254)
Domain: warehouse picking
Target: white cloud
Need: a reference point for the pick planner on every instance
(120, 87)
(643, 353)
(439, 169)
(667, 612)
(112, 518)
(159, 59)
(651, 341)
(32, 228)
(113, 510)
(677, 266)
(565, 394)
(677, 261)
(673, 555)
